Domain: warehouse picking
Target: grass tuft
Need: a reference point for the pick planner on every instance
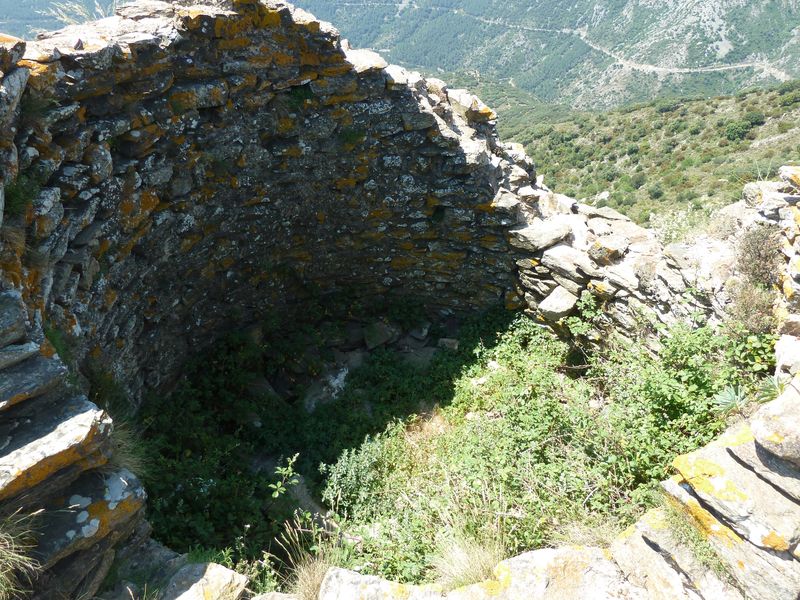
(462, 559)
(17, 568)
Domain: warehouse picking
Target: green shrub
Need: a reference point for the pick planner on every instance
(759, 256)
(737, 130)
(755, 118)
(20, 194)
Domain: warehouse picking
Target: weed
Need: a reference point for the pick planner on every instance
(16, 565)
(730, 399)
(60, 342)
(759, 254)
(351, 137)
(20, 194)
(770, 388)
(127, 449)
(298, 96)
(461, 559)
(685, 529)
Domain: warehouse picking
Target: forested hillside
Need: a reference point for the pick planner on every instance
(665, 156)
(592, 54)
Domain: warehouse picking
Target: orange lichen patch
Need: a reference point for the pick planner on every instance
(263, 17)
(285, 125)
(102, 247)
(448, 257)
(190, 241)
(110, 298)
(47, 349)
(43, 76)
(284, 60)
(293, 152)
(403, 262)
(373, 235)
(345, 183)
(310, 59)
(182, 101)
(127, 247)
(707, 477)
(321, 217)
(775, 541)
(338, 69)
(241, 162)
(96, 352)
(227, 262)
(82, 453)
(119, 343)
(343, 99)
(234, 44)
(112, 514)
(380, 213)
(705, 522)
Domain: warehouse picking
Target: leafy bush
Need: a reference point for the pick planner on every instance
(759, 255)
(519, 440)
(755, 118)
(738, 130)
(495, 449)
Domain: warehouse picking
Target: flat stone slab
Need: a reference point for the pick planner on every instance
(761, 574)
(12, 318)
(756, 511)
(776, 426)
(572, 573)
(655, 530)
(37, 445)
(341, 584)
(29, 379)
(204, 581)
(16, 353)
(91, 508)
(560, 303)
(539, 235)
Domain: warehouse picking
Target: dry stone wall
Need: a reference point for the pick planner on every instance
(178, 170)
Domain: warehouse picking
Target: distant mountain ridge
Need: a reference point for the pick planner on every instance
(584, 53)
(589, 53)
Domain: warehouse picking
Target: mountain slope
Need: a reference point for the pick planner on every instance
(589, 53)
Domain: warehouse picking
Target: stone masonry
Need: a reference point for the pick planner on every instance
(178, 170)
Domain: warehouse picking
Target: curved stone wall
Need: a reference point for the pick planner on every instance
(174, 171)
(203, 166)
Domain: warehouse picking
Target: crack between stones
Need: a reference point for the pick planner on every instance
(753, 470)
(686, 580)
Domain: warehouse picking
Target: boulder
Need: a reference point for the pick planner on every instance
(341, 584)
(757, 512)
(787, 354)
(573, 573)
(558, 304)
(570, 262)
(608, 248)
(205, 581)
(539, 235)
(760, 574)
(379, 334)
(791, 175)
(776, 426)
